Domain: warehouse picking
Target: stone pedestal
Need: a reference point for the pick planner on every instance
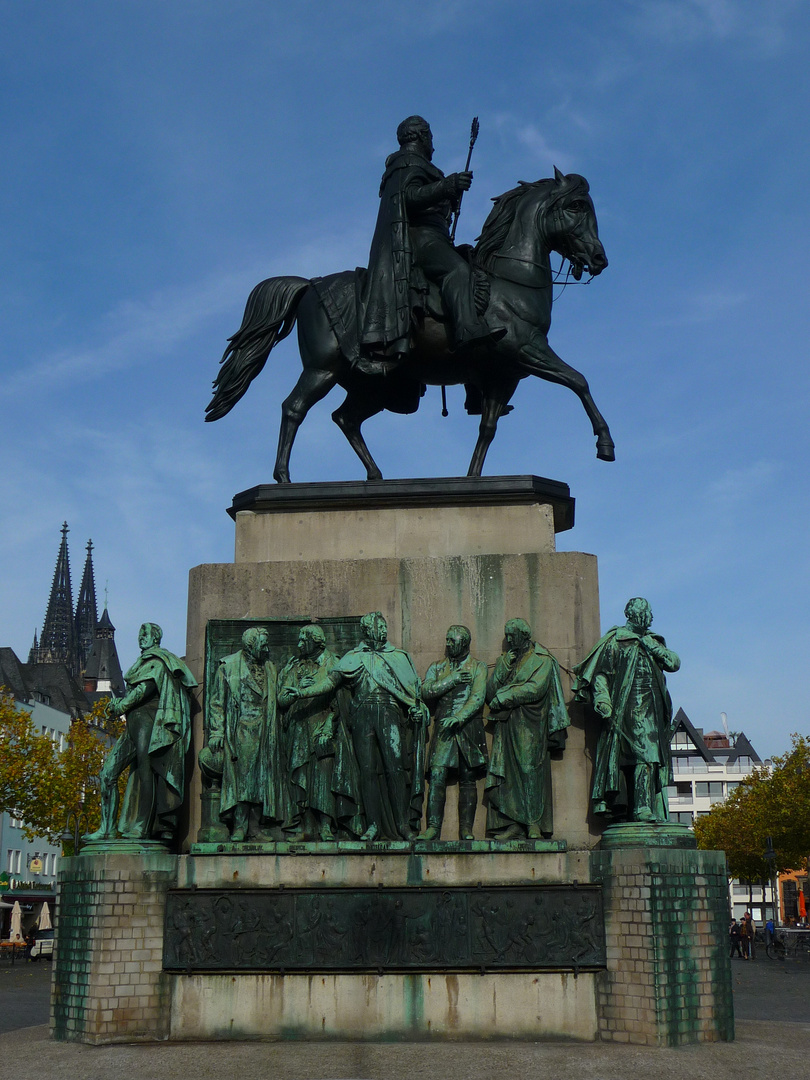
(668, 978)
(110, 985)
(566, 938)
(389, 1004)
(427, 554)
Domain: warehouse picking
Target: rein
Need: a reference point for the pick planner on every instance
(556, 275)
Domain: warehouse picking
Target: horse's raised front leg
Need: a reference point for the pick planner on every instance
(538, 358)
(349, 418)
(492, 409)
(313, 385)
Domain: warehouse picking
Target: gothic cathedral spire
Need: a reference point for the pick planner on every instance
(57, 642)
(86, 612)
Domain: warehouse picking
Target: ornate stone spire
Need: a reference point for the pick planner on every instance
(57, 642)
(86, 611)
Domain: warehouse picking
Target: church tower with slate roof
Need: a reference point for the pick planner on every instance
(102, 672)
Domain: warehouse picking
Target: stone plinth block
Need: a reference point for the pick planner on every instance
(543, 910)
(401, 518)
(668, 979)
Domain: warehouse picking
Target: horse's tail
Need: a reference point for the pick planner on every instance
(269, 316)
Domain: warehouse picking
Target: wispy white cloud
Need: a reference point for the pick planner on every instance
(679, 22)
(133, 331)
(735, 487)
(531, 136)
(137, 331)
(706, 306)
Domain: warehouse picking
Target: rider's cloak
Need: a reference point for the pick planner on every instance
(385, 297)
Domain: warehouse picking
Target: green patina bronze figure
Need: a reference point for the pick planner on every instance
(455, 688)
(243, 727)
(623, 678)
(157, 706)
(388, 722)
(426, 312)
(321, 769)
(527, 708)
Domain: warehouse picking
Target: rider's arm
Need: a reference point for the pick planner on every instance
(425, 196)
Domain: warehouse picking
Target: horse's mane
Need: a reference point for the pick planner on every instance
(496, 227)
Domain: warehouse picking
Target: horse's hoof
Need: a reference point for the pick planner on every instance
(281, 477)
(374, 475)
(605, 450)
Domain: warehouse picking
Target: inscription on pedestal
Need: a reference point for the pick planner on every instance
(498, 928)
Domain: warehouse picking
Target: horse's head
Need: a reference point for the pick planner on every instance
(569, 224)
(531, 220)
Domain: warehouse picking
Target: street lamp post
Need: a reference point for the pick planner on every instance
(770, 858)
(78, 821)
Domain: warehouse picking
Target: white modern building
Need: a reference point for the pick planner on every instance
(707, 768)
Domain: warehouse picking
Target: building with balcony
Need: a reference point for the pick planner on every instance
(707, 768)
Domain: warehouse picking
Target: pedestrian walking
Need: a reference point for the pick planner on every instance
(734, 939)
(747, 935)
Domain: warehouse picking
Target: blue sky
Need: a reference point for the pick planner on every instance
(160, 158)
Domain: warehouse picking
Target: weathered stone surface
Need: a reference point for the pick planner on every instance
(412, 1007)
(109, 984)
(668, 980)
(514, 1005)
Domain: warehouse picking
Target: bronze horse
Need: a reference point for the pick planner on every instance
(514, 280)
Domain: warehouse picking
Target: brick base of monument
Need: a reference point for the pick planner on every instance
(668, 978)
(635, 954)
(109, 984)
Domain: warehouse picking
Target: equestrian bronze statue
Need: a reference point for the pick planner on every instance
(426, 312)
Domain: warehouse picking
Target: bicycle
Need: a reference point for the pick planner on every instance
(789, 945)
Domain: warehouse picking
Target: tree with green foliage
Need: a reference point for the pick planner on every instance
(776, 805)
(41, 784)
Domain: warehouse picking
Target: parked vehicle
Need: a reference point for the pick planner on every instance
(43, 946)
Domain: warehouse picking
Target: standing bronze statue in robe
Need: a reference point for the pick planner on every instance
(322, 773)
(412, 242)
(242, 723)
(157, 706)
(456, 688)
(623, 678)
(527, 708)
(387, 719)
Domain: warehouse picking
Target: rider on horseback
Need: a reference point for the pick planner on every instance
(412, 243)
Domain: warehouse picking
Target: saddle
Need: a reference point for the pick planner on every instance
(337, 296)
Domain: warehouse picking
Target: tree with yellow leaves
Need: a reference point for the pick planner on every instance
(39, 783)
(775, 805)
